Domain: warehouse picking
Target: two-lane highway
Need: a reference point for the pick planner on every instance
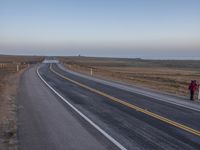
(134, 120)
(46, 124)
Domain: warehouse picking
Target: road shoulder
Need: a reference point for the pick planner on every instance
(8, 111)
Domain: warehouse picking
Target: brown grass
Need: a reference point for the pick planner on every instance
(10, 64)
(171, 76)
(20, 59)
(9, 78)
(8, 126)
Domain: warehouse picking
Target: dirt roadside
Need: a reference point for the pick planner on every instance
(8, 121)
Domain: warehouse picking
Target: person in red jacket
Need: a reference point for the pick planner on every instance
(192, 88)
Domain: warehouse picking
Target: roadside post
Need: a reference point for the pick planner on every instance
(17, 67)
(91, 72)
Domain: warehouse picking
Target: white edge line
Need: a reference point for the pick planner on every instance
(83, 116)
(110, 83)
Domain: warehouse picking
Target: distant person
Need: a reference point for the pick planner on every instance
(199, 92)
(192, 88)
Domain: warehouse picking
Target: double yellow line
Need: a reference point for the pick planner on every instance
(176, 124)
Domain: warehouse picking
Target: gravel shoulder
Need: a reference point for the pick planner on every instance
(8, 110)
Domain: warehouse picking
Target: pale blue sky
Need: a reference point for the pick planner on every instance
(120, 28)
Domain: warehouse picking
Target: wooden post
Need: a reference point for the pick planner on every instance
(91, 72)
(17, 67)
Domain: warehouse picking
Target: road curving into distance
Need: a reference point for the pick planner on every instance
(112, 117)
(45, 123)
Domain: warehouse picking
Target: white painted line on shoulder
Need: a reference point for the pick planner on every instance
(83, 116)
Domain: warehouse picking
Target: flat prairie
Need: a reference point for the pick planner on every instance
(20, 59)
(170, 76)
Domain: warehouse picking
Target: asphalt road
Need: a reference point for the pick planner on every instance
(44, 123)
(49, 123)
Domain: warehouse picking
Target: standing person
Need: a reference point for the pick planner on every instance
(199, 92)
(192, 88)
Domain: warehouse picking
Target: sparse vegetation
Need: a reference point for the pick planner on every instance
(20, 59)
(12, 64)
(172, 76)
(11, 68)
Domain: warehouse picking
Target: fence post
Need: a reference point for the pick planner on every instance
(17, 67)
(91, 72)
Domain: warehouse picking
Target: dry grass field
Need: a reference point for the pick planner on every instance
(8, 126)
(20, 59)
(171, 76)
(11, 67)
(11, 64)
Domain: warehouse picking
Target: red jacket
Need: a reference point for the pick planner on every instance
(193, 86)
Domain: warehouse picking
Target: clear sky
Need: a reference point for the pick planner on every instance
(119, 28)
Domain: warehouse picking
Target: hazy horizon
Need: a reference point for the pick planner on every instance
(115, 28)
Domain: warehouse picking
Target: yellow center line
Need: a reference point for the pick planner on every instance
(171, 122)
